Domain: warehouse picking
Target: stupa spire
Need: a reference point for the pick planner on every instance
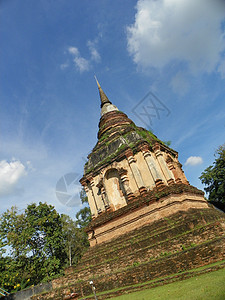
(104, 99)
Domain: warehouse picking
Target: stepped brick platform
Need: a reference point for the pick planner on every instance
(180, 242)
(160, 202)
(160, 281)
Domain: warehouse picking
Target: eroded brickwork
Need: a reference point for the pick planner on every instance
(182, 241)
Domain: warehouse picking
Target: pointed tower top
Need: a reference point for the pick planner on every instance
(103, 97)
(97, 81)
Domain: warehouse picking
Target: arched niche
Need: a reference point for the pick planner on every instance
(114, 188)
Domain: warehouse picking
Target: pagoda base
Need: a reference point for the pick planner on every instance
(145, 210)
(168, 247)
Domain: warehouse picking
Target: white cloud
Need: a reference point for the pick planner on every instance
(94, 53)
(194, 161)
(81, 63)
(10, 174)
(187, 31)
(74, 51)
(43, 170)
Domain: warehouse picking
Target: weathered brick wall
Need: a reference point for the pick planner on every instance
(175, 263)
(163, 226)
(145, 252)
(152, 245)
(167, 235)
(183, 260)
(180, 242)
(139, 213)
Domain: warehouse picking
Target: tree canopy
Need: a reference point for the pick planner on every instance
(214, 178)
(83, 216)
(34, 240)
(36, 244)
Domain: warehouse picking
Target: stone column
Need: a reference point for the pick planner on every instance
(125, 182)
(136, 172)
(156, 177)
(167, 173)
(152, 167)
(91, 200)
(98, 198)
(105, 198)
(103, 193)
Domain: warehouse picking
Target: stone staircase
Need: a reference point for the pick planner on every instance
(181, 242)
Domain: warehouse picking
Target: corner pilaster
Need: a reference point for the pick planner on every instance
(167, 173)
(135, 171)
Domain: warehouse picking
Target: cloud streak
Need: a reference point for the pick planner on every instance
(93, 50)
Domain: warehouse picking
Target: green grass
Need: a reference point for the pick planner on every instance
(209, 286)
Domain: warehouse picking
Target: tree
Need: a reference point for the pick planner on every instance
(45, 239)
(75, 240)
(14, 263)
(167, 143)
(35, 244)
(12, 229)
(214, 178)
(83, 216)
(80, 241)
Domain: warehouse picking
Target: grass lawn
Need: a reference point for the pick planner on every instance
(209, 286)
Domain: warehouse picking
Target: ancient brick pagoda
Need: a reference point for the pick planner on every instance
(149, 225)
(130, 167)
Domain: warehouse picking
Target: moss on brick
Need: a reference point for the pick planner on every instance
(141, 201)
(116, 126)
(170, 246)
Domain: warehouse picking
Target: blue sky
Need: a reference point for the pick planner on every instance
(50, 51)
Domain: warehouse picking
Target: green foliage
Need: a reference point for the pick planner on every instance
(104, 137)
(13, 274)
(83, 216)
(78, 237)
(136, 263)
(183, 247)
(145, 134)
(214, 177)
(108, 159)
(83, 196)
(75, 240)
(165, 253)
(35, 242)
(38, 243)
(167, 143)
